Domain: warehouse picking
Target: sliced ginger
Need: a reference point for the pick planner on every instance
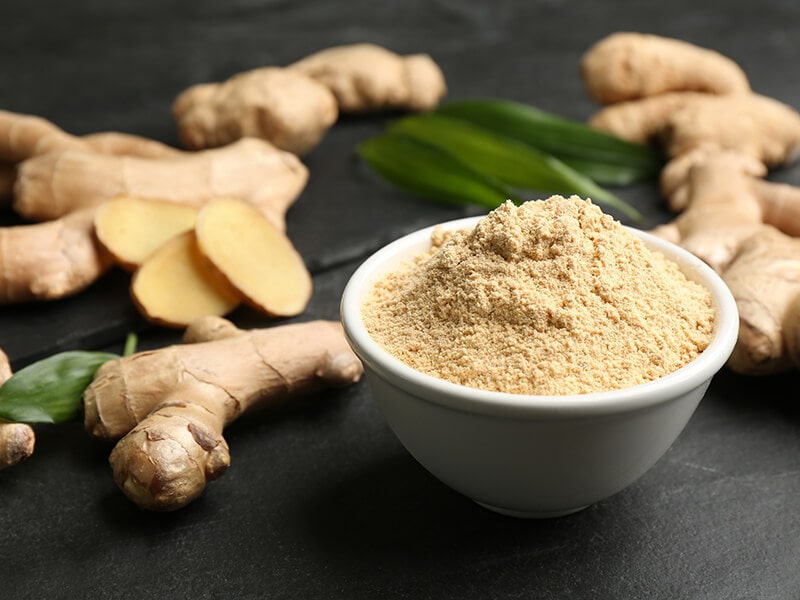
(254, 256)
(175, 285)
(196, 264)
(131, 229)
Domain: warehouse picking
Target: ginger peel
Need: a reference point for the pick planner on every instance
(172, 404)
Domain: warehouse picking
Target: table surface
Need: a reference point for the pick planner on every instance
(321, 500)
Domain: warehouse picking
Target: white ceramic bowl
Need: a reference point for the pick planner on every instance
(534, 456)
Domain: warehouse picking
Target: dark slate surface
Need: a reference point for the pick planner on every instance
(321, 500)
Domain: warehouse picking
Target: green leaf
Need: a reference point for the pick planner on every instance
(504, 159)
(50, 390)
(604, 158)
(131, 341)
(424, 170)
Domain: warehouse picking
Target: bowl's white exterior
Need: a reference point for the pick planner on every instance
(533, 465)
(533, 455)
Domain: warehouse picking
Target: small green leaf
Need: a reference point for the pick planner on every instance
(504, 159)
(602, 157)
(424, 170)
(50, 390)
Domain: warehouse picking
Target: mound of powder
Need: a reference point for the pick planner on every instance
(552, 297)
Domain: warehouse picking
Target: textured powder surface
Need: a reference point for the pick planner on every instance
(552, 297)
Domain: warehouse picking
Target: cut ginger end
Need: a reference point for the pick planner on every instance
(256, 258)
(131, 229)
(175, 285)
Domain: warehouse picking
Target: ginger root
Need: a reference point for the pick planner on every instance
(294, 106)
(726, 189)
(286, 108)
(367, 77)
(54, 184)
(24, 136)
(764, 277)
(47, 261)
(171, 405)
(751, 124)
(208, 328)
(630, 65)
(126, 144)
(17, 440)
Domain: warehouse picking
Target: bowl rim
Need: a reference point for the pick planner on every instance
(456, 396)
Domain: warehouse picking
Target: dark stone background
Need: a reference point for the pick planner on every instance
(321, 500)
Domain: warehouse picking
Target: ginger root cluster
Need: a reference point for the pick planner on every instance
(202, 230)
(243, 139)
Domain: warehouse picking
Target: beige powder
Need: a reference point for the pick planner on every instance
(552, 297)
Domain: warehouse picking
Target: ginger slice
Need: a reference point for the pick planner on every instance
(254, 256)
(175, 285)
(131, 229)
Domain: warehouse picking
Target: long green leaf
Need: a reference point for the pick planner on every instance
(504, 159)
(50, 390)
(424, 170)
(602, 157)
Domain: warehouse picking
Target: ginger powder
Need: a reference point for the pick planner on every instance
(551, 297)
